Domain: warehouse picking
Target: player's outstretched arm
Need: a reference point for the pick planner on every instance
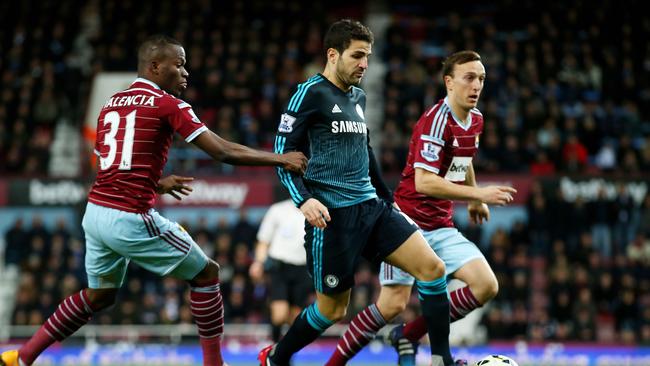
(433, 185)
(236, 154)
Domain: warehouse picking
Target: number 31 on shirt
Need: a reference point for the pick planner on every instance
(113, 118)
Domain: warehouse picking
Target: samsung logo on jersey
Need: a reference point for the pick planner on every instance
(128, 100)
(349, 126)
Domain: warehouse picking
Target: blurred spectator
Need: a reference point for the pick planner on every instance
(605, 159)
(538, 220)
(15, 240)
(601, 214)
(604, 293)
(542, 165)
(638, 250)
(627, 310)
(574, 155)
(243, 230)
(626, 215)
(584, 315)
(644, 216)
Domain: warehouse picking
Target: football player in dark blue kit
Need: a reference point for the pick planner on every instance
(349, 210)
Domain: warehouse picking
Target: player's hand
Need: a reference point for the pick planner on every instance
(478, 211)
(294, 161)
(496, 195)
(256, 271)
(316, 213)
(174, 185)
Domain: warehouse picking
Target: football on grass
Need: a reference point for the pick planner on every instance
(496, 360)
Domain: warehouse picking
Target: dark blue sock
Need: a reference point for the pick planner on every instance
(435, 308)
(305, 329)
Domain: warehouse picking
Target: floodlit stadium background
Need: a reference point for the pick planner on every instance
(567, 123)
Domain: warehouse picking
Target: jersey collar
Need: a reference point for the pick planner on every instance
(464, 125)
(328, 81)
(146, 81)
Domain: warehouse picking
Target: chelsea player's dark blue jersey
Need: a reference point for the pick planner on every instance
(328, 126)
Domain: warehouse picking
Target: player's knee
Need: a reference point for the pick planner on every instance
(280, 312)
(439, 269)
(278, 318)
(212, 269)
(393, 300)
(99, 305)
(101, 298)
(485, 290)
(339, 314)
(393, 308)
(491, 289)
(432, 271)
(335, 314)
(208, 274)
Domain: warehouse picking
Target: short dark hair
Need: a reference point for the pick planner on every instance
(152, 47)
(458, 58)
(342, 32)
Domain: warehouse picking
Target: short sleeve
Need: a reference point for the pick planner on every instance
(429, 148)
(183, 119)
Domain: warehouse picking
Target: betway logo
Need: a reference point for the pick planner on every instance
(458, 168)
(590, 189)
(206, 193)
(56, 193)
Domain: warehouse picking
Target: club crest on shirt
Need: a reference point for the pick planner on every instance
(286, 123)
(430, 151)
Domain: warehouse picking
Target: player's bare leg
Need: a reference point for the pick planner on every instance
(417, 258)
(480, 278)
(280, 313)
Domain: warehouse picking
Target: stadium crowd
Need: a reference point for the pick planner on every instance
(557, 278)
(568, 89)
(567, 85)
